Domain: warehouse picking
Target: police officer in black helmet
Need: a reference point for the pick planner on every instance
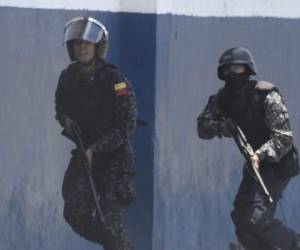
(259, 110)
(99, 99)
(235, 66)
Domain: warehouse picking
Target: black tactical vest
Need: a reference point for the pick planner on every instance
(89, 100)
(247, 110)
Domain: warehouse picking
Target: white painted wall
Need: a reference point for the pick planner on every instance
(105, 5)
(272, 8)
(275, 8)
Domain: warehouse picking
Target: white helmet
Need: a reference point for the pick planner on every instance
(87, 29)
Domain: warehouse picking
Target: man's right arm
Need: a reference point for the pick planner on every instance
(210, 121)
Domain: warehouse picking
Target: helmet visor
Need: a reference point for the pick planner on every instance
(85, 30)
(233, 68)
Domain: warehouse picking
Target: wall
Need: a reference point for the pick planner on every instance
(33, 155)
(195, 180)
(168, 48)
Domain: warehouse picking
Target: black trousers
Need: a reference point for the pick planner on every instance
(253, 214)
(80, 212)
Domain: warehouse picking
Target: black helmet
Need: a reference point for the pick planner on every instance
(88, 29)
(237, 55)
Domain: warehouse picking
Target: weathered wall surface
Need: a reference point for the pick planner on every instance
(33, 155)
(195, 180)
(165, 47)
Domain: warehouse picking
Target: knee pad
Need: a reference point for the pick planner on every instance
(256, 218)
(261, 218)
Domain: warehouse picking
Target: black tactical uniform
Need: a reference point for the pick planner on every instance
(102, 102)
(258, 109)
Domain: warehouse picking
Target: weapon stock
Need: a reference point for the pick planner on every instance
(247, 152)
(86, 165)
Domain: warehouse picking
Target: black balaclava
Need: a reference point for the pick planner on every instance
(236, 82)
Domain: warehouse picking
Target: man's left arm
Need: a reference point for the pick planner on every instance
(125, 114)
(277, 121)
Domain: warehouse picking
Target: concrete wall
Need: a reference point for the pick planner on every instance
(170, 47)
(195, 180)
(33, 155)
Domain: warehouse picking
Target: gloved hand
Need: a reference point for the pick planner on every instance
(255, 160)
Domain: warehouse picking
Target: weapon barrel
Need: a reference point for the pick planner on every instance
(86, 165)
(246, 149)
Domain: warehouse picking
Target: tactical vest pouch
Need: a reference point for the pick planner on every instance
(289, 164)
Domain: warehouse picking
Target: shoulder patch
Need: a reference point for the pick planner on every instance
(121, 89)
(264, 86)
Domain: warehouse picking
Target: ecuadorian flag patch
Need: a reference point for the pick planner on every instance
(121, 89)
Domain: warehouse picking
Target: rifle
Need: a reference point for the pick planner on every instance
(247, 151)
(76, 131)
